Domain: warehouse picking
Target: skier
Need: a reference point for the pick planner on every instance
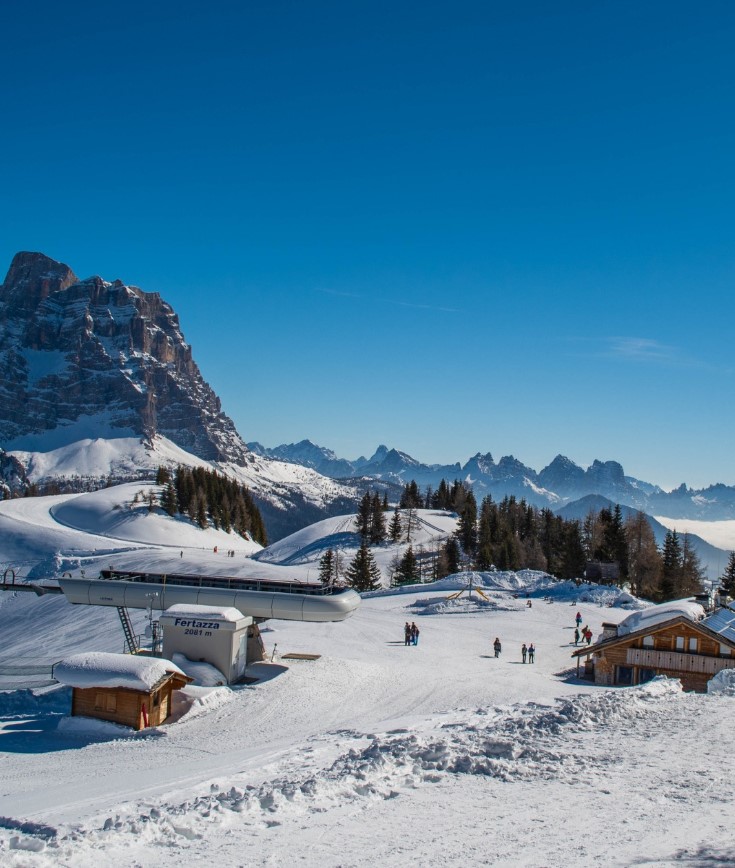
(524, 651)
(578, 618)
(407, 637)
(576, 635)
(497, 647)
(588, 636)
(531, 652)
(528, 604)
(414, 633)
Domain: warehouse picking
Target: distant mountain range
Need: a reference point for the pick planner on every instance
(559, 483)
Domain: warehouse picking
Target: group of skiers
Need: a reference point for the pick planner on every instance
(411, 634)
(585, 634)
(528, 652)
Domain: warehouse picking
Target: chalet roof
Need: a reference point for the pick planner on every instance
(648, 628)
(101, 669)
(654, 615)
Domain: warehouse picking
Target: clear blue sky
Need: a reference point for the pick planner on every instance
(449, 227)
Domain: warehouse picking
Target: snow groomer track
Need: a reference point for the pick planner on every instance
(290, 601)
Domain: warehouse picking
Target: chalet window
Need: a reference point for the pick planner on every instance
(111, 702)
(156, 698)
(724, 650)
(693, 644)
(648, 641)
(99, 701)
(679, 643)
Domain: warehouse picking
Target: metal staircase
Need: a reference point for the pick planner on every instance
(130, 639)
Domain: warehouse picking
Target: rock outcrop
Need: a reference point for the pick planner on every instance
(90, 358)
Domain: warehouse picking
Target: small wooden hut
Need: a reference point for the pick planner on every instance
(122, 688)
(676, 639)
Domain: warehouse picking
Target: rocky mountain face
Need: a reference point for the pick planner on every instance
(90, 358)
(561, 482)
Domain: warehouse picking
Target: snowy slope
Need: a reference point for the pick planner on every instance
(436, 754)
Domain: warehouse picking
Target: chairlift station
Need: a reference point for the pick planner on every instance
(206, 618)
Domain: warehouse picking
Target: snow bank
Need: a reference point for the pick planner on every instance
(204, 674)
(84, 727)
(527, 743)
(18, 703)
(723, 683)
(213, 613)
(659, 614)
(193, 701)
(102, 669)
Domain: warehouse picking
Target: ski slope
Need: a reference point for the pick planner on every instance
(437, 754)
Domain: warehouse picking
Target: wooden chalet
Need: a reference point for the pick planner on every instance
(678, 644)
(121, 688)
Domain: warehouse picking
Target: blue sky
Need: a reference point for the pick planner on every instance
(448, 227)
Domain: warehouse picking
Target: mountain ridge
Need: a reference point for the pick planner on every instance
(561, 481)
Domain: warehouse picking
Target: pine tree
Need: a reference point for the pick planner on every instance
(692, 574)
(467, 525)
(614, 543)
(727, 579)
(377, 520)
(326, 568)
(163, 475)
(364, 517)
(201, 517)
(395, 528)
(363, 574)
(452, 555)
(411, 497)
(168, 499)
(573, 559)
(670, 568)
(408, 571)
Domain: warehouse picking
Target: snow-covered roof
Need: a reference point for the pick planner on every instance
(212, 613)
(102, 669)
(647, 618)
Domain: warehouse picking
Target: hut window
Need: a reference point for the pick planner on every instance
(156, 698)
(111, 702)
(693, 644)
(99, 701)
(679, 643)
(724, 650)
(648, 641)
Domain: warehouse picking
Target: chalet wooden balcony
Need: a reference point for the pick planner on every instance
(677, 661)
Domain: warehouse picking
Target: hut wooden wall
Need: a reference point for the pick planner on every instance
(664, 640)
(122, 705)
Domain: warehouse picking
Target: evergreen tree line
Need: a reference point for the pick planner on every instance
(513, 534)
(209, 498)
